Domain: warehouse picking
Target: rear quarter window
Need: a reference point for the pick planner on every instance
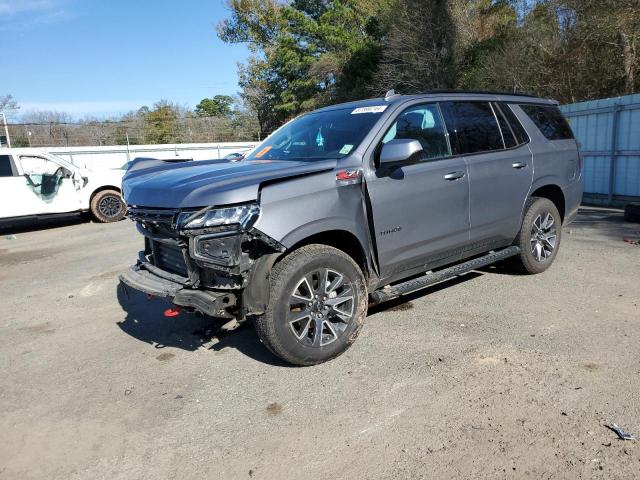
(549, 121)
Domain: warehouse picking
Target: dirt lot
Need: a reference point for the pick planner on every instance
(487, 376)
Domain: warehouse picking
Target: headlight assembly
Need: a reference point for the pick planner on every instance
(242, 215)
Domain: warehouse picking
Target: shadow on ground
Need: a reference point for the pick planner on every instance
(24, 226)
(145, 321)
(608, 222)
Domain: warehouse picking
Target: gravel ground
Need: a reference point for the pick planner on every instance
(487, 376)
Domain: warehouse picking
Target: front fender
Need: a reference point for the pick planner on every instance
(300, 208)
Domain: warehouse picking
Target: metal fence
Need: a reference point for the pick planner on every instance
(115, 156)
(609, 135)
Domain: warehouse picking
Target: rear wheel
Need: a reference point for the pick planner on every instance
(108, 206)
(317, 305)
(539, 236)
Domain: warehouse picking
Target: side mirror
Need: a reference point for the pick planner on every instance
(399, 150)
(66, 173)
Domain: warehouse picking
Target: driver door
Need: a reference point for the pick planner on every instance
(420, 207)
(51, 186)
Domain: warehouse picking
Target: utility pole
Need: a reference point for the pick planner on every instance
(6, 129)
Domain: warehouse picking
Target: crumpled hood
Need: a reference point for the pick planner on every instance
(158, 184)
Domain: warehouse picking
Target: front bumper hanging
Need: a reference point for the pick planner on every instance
(148, 279)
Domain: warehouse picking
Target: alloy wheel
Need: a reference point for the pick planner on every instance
(321, 307)
(543, 236)
(110, 206)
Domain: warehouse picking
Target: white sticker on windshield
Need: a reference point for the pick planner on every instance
(376, 109)
(346, 149)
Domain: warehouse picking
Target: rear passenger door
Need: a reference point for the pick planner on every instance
(500, 168)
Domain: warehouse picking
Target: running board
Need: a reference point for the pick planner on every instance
(391, 292)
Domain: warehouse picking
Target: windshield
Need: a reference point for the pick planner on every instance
(321, 135)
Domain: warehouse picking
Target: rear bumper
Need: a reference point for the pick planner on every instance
(148, 279)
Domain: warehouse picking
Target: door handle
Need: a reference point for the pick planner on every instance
(454, 176)
(519, 165)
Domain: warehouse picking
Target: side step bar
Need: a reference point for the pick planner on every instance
(391, 292)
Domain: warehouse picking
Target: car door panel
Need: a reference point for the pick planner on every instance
(500, 172)
(418, 215)
(500, 183)
(420, 208)
(51, 190)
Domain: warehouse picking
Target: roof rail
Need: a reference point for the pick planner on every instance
(482, 92)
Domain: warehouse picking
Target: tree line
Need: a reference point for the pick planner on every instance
(310, 53)
(221, 118)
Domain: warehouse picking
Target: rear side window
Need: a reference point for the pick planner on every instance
(517, 128)
(550, 121)
(5, 166)
(422, 123)
(472, 127)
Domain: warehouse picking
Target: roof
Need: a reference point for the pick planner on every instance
(393, 98)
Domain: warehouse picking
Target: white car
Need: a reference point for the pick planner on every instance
(36, 184)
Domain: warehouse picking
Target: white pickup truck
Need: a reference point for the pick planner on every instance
(36, 184)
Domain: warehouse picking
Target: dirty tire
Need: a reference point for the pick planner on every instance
(297, 277)
(108, 206)
(526, 262)
(632, 213)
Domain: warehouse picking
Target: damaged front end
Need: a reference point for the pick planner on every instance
(209, 260)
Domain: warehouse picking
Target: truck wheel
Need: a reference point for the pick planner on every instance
(317, 305)
(539, 236)
(107, 206)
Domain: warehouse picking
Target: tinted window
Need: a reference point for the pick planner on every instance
(472, 127)
(514, 123)
(319, 135)
(422, 123)
(550, 121)
(510, 140)
(5, 166)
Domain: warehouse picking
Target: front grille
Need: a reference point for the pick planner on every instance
(169, 257)
(167, 216)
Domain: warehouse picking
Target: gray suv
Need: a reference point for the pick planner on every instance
(354, 205)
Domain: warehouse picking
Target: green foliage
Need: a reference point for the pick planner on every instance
(305, 53)
(160, 122)
(309, 53)
(218, 106)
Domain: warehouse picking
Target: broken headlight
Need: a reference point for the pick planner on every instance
(242, 215)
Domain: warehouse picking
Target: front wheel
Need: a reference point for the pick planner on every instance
(539, 237)
(108, 206)
(317, 305)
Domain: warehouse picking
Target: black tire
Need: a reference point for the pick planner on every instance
(292, 280)
(632, 213)
(536, 254)
(108, 206)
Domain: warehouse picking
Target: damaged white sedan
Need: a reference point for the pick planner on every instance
(36, 184)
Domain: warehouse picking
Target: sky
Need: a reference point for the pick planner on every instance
(105, 57)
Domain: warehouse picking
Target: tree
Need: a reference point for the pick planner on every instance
(161, 122)
(8, 105)
(305, 53)
(418, 55)
(218, 106)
